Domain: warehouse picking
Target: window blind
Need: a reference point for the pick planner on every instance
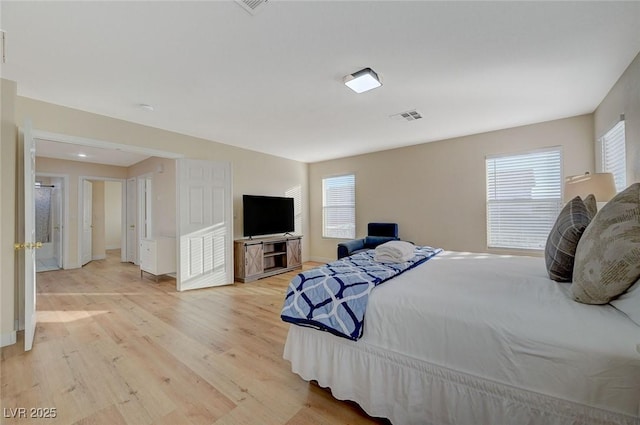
(614, 155)
(524, 198)
(339, 207)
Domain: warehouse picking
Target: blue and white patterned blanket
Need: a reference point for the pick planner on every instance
(334, 297)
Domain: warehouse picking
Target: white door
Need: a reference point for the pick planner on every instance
(29, 237)
(87, 220)
(204, 224)
(56, 220)
(132, 237)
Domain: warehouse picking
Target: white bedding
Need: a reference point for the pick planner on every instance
(477, 338)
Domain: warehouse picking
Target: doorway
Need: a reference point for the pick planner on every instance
(50, 218)
(102, 206)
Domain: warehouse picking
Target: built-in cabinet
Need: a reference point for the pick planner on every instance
(258, 258)
(158, 256)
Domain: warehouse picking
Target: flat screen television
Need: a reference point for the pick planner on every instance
(267, 215)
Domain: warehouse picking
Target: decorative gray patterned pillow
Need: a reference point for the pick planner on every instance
(563, 239)
(591, 204)
(607, 259)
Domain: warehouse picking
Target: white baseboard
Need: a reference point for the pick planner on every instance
(321, 259)
(99, 257)
(113, 247)
(8, 339)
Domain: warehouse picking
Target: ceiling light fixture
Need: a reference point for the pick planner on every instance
(146, 107)
(82, 155)
(363, 80)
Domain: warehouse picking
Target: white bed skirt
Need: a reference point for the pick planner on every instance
(409, 391)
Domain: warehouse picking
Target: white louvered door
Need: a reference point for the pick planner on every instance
(205, 224)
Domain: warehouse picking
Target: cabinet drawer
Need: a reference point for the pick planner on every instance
(157, 256)
(147, 255)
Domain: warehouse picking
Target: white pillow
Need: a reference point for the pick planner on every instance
(629, 302)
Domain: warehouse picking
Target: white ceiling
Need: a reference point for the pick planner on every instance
(273, 82)
(71, 152)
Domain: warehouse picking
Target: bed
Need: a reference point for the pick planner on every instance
(479, 339)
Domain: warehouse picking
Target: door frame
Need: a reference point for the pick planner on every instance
(128, 207)
(65, 214)
(123, 212)
(145, 198)
(82, 189)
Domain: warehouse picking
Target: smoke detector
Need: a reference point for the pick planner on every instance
(252, 6)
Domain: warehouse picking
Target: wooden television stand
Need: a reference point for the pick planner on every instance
(262, 257)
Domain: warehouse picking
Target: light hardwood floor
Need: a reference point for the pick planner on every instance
(113, 349)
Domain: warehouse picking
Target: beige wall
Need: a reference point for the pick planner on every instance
(436, 191)
(253, 172)
(624, 98)
(8, 148)
(162, 172)
(98, 245)
(113, 214)
(75, 170)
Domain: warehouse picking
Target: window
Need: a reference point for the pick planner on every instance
(524, 198)
(339, 207)
(613, 155)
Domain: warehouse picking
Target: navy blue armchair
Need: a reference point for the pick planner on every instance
(377, 234)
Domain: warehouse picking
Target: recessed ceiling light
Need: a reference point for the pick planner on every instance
(82, 155)
(146, 107)
(363, 80)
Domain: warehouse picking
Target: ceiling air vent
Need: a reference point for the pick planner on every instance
(408, 115)
(252, 6)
